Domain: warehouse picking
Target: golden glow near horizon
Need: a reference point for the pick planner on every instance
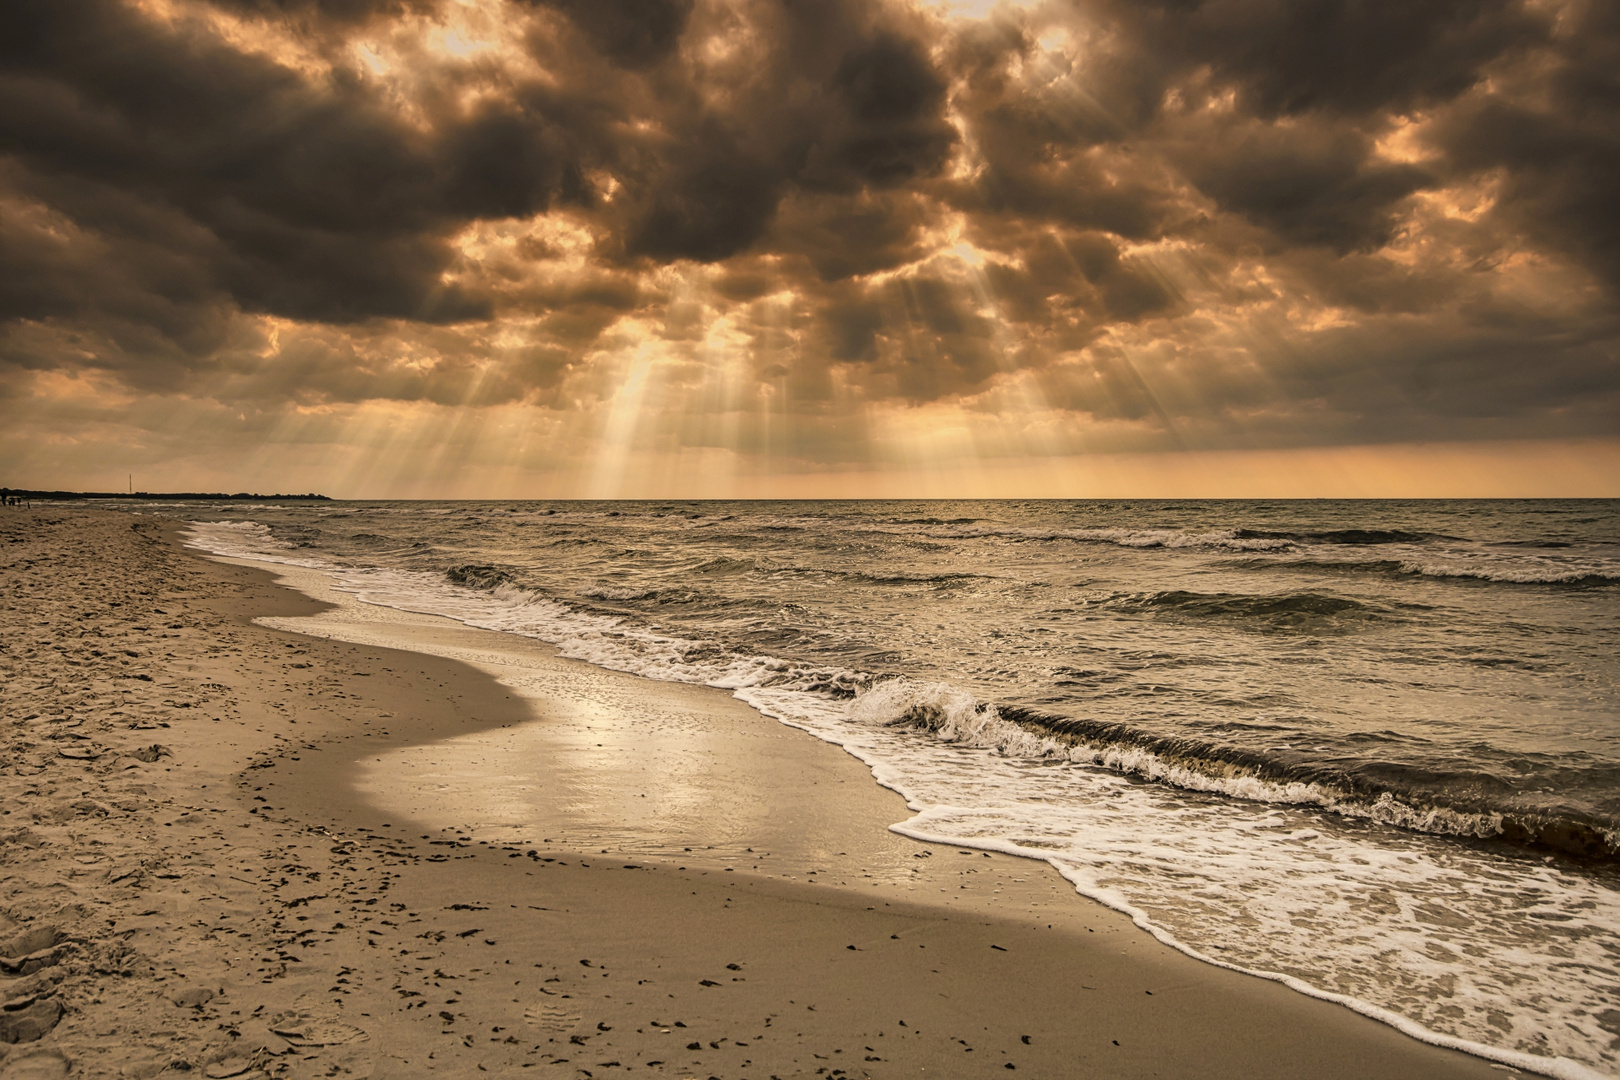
(1071, 275)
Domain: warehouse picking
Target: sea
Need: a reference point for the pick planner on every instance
(1370, 749)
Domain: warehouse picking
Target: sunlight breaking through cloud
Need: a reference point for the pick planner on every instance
(732, 239)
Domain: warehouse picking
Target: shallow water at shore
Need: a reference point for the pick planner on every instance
(1296, 740)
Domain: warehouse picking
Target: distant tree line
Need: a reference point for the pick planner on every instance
(24, 493)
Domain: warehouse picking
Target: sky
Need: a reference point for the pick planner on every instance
(811, 248)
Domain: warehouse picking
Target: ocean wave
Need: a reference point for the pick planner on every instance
(1375, 793)
(1499, 571)
(478, 576)
(935, 521)
(1353, 537)
(1217, 847)
(724, 564)
(611, 592)
(624, 594)
(1516, 573)
(915, 579)
(868, 577)
(1219, 539)
(955, 716)
(1327, 566)
(1281, 610)
(245, 540)
(485, 597)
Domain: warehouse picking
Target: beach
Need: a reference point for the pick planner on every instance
(212, 861)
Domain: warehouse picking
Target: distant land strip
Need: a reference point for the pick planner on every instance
(240, 496)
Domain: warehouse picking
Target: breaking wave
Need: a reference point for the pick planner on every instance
(955, 716)
(1515, 573)
(477, 576)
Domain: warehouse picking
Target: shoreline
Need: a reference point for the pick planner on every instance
(818, 973)
(466, 776)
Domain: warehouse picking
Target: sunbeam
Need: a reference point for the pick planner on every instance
(724, 241)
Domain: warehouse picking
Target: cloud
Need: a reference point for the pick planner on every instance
(1306, 183)
(1347, 57)
(1167, 223)
(632, 33)
(308, 201)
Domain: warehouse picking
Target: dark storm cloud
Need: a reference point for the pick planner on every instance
(507, 162)
(1348, 56)
(890, 127)
(319, 202)
(714, 198)
(162, 184)
(1311, 83)
(1083, 275)
(1556, 147)
(316, 203)
(1307, 183)
(340, 11)
(632, 33)
(842, 237)
(839, 102)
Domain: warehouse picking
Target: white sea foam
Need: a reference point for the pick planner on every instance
(1442, 941)
(957, 717)
(1520, 571)
(1508, 958)
(247, 540)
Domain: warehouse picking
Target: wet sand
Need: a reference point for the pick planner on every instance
(272, 893)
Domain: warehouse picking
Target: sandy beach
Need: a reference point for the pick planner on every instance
(214, 859)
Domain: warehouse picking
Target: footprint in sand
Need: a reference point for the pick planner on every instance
(26, 946)
(41, 1065)
(28, 1018)
(337, 1063)
(301, 1029)
(552, 1016)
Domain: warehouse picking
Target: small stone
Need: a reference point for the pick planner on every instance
(231, 1066)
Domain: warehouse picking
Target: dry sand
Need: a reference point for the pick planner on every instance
(192, 879)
